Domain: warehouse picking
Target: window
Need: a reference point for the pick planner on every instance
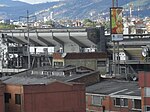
(117, 102)
(124, 102)
(147, 109)
(121, 102)
(7, 97)
(17, 99)
(123, 70)
(147, 92)
(97, 100)
(101, 63)
(86, 99)
(58, 64)
(137, 104)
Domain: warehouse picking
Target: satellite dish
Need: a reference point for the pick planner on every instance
(134, 78)
(64, 54)
(145, 51)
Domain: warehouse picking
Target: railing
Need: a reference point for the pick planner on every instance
(32, 30)
(130, 36)
(131, 61)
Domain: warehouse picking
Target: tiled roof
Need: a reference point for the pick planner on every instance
(57, 56)
(89, 55)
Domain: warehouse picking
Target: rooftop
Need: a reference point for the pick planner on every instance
(113, 87)
(86, 55)
(46, 75)
(25, 80)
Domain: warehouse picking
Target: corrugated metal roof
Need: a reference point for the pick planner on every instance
(25, 80)
(115, 87)
(58, 74)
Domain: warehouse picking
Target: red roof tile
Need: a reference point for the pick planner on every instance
(89, 55)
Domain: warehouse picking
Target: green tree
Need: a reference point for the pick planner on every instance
(89, 23)
(7, 26)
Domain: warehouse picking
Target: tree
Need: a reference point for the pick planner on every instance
(89, 23)
(7, 26)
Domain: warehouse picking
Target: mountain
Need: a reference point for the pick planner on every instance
(70, 9)
(10, 3)
(15, 9)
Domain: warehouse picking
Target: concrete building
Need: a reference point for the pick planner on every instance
(111, 95)
(144, 82)
(92, 60)
(42, 95)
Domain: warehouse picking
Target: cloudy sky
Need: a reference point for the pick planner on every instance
(36, 1)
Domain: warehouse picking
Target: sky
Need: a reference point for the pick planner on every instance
(36, 1)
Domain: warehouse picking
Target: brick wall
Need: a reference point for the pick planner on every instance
(2, 98)
(12, 106)
(108, 105)
(144, 82)
(89, 79)
(54, 97)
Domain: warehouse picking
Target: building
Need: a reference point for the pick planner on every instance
(14, 45)
(144, 82)
(92, 60)
(148, 27)
(111, 95)
(66, 74)
(2, 97)
(42, 95)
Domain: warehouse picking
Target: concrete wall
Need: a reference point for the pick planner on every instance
(71, 47)
(89, 63)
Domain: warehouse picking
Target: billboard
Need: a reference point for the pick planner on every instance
(116, 20)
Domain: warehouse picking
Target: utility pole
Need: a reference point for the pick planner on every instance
(28, 36)
(28, 46)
